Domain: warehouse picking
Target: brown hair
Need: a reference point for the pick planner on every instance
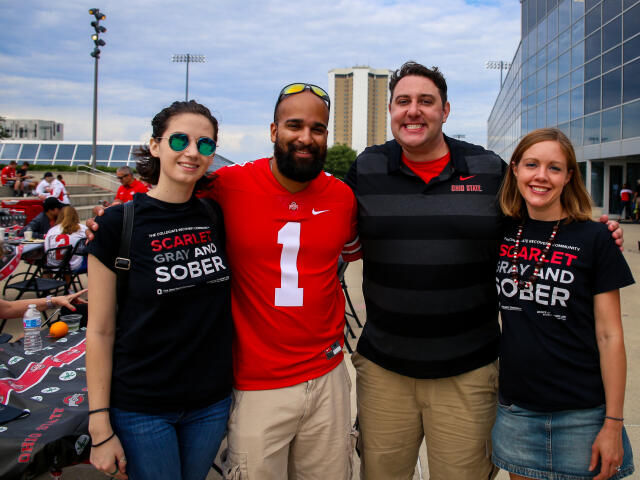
(575, 199)
(68, 220)
(147, 165)
(419, 70)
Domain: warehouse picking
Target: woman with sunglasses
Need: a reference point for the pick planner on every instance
(562, 354)
(159, 348)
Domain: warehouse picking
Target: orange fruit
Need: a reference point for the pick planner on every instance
(58, 329)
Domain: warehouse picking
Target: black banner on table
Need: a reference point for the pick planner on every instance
(51, 387)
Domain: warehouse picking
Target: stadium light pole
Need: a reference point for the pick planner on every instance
(498, 65)
(187, 58)
(98, 42)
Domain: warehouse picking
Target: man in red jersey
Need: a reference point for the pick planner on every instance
(286, 223)
(129, 186)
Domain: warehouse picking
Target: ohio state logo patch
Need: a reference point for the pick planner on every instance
(74, 400)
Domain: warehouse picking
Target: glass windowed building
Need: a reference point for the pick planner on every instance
(116, 154)
(577, 68)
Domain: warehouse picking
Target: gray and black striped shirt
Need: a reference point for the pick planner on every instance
(430, 254)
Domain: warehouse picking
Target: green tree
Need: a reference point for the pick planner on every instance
(339, 159)
(3, 132)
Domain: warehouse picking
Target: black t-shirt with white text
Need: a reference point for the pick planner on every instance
(549, 359)
(172, 349)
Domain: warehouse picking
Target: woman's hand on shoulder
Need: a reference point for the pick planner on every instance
(607, 448)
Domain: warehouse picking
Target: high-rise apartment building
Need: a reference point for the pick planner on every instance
(359, 107)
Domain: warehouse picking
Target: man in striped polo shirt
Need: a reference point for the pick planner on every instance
(429, 226)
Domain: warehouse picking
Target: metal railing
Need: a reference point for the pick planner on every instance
(110, 179)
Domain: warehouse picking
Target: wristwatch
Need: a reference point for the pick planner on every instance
(49, 300)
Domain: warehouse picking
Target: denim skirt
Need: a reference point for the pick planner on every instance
(551, 445)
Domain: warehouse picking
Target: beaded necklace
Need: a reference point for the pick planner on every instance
(536, 270)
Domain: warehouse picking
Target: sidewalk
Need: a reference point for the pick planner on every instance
(630, 299)
(630, 316)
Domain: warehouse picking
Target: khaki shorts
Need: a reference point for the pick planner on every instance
(454, 415)
(297, 432)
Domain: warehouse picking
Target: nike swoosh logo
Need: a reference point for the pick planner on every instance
(462, 179)
(318, 212)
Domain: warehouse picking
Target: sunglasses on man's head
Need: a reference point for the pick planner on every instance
(179, 141)
(294, 88)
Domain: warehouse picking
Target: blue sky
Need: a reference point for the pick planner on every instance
(253, 48)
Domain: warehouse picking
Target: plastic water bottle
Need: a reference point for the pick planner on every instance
(32, 322)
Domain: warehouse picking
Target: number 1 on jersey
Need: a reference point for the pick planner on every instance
(289, 294)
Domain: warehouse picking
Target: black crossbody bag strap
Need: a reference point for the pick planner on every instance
(123, 262)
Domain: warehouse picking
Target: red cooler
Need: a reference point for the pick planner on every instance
(30, 206)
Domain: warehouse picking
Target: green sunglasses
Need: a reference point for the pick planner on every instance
(294, 88)
(179, 141)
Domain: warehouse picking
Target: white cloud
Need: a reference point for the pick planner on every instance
(253, 48)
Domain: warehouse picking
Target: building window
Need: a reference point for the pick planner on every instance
(592, 45)
(592, 21)
(631, 81)
(592, 129)
(611, 88)
(612, 59)
(631, 20)
(631, 120)
(592, 96)
(612, 34)
(611, 125)
(610, 8)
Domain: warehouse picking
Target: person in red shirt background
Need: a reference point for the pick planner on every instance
(129, 186)
(8, 174)
(626, 195)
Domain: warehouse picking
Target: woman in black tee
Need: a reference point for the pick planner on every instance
(562, 355)
(159, 367)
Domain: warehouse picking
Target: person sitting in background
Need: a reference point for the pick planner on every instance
(51, 187)
(67, 231)
(16, 308)
(24, 183)
(8, 175)
(41, 223)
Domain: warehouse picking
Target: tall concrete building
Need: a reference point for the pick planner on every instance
(577, 68)
(359, 107)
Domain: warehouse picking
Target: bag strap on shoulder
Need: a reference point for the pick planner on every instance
(123, 262)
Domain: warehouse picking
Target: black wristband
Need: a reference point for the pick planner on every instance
(617, 419)
(98, 410)
(104, 441)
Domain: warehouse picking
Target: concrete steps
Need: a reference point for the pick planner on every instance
(82, 197)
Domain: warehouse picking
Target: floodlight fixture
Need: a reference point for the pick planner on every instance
(187, 58)
(498, 65)
(98, 42)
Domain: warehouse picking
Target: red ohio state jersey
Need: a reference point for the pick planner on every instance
(283, 248)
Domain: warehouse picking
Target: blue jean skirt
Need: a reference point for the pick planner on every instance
(551, 445)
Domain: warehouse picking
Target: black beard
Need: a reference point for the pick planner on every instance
(289, 166)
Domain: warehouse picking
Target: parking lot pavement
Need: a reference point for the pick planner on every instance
(631, 320)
